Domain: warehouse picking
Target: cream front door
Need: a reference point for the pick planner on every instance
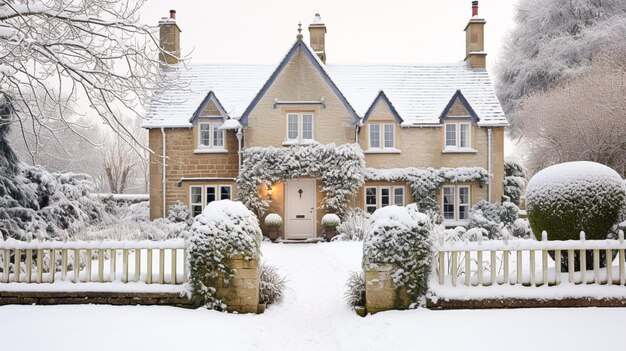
(300, 209)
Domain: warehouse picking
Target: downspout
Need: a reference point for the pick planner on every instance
(239, 140)
(164, 177)
(489, 166)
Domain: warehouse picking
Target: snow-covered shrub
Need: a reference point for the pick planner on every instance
(401, 236)
(179, 212)
(493, 217)
(353, 226)
(273, 220)
(425, 182)
(521, 229)
(355, 289)
(514, 181)
(224, 229)
(340, 168)
(571, 197)
(272, 285)
(330, 220)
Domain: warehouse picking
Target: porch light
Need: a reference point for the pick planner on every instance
(269, 192)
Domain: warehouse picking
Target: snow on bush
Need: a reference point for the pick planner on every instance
(340, 169)
(493, 217)
(403, 237)
(514, 181)
(179, 212)
(521, 229)
(571, 197)
(272, 285)
(224, 229)
(353, 226)
(425, 182)
(355, 289)
(273, 220)
(330, 220)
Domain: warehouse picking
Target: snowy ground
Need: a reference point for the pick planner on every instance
(312, 316)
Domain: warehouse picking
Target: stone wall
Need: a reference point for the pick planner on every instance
(241, 294)
(380, 293)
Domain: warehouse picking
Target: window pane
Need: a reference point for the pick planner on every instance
(450, 134)
(374, 135)
(210, 194)
(448, 202)
(389, 135)
(398, 196)
(225, 193)
(218, 135)
(205, 134)
(196, 210)
(307, 127)
(463, 195)
(292, 126)
(370, 196)
(465, 135)
(196, 195)
(385, 197)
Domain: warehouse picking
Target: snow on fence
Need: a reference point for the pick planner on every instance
(150, 262)
(528, 262)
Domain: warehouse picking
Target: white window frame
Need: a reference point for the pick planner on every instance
(456, 202)
(300, 132)
(191, 202)
(213, 127)
(204, 193)
(381, 136)
(392, 196)
(457, 136)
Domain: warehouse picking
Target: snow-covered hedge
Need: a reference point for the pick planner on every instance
(425, 182)
(224, 229)
(403, 237)
(273, 220)
(330, 220)
(514, 181)
(340, 169)
(571, 197)
(493, 217)
(179, 212)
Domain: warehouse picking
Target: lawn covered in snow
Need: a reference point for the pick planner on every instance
(312, 316)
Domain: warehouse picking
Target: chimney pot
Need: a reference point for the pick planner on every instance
(474, 8)
(173, 14)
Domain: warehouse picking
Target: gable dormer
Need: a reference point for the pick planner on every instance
(208, 121)
(460, 122)
(381, 125)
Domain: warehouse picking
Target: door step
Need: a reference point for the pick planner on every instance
(299, 241)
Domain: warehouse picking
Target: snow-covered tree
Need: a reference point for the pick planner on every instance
(555, 40)
(582, 119)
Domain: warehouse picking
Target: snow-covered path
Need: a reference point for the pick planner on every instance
(312, 316)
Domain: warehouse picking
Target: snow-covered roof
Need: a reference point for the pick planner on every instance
(419, 93)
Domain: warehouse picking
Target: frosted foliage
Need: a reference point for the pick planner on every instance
(272, 284)
(425, 182)
(273, 220)
(555, 40)
(35, 203)
(330, 220)
(401, 236)
(340, 168)
(223, 230)
(179, 213)
(493, 217)
(575, 196)
(514, 181)
(354, 224)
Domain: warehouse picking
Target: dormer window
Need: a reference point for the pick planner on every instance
(381, 136)
(210, 136)
(299, 128)
(458, 136)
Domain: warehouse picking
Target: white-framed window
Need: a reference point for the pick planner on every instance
(381, 196)
(202, 195)
(300, 127)
(455, 202)
(458, 135)
(382, 136)
(210, 136)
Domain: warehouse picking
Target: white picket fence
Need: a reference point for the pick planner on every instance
(150, 262)
(528, 263)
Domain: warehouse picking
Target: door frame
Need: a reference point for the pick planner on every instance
(286, 201)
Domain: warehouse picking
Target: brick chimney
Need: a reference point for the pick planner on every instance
(169, 34)
(317, 31)
(475, 54)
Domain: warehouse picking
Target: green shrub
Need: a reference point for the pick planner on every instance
(568, 198)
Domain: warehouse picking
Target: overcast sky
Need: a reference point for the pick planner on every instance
(365, 31)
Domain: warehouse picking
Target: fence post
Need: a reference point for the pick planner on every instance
(583, 260)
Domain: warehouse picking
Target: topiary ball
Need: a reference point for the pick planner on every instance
(571, 197)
